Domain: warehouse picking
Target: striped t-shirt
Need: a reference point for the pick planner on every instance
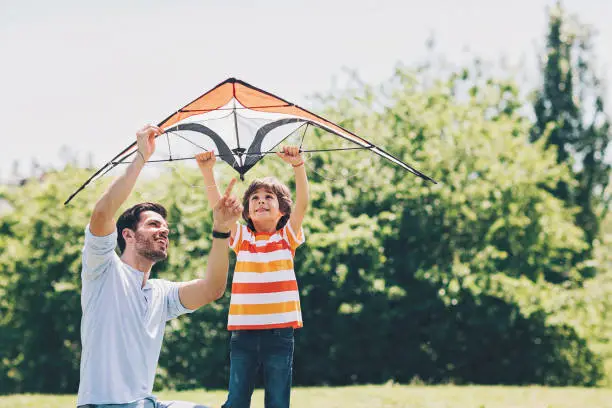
(264, 290)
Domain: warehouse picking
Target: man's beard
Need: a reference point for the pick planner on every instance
(146, 248)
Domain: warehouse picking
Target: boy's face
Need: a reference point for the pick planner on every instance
(263, 206)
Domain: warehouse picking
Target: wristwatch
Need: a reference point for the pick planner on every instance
(217, 234)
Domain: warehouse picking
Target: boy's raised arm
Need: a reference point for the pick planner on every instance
(206, 162)
(102, 220)
(292, 155)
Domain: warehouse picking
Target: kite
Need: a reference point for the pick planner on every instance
(241, 124)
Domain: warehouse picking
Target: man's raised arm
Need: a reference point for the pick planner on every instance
(102, 220)
(199, 292)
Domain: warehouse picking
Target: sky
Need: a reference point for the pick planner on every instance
(83, 76)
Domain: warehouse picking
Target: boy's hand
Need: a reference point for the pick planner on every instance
(206, 160)
(227, 210)
(291, 155)
(145, 140)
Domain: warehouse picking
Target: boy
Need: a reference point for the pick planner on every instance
(265, 305)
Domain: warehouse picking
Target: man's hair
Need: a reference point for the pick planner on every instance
(131, 217)
(281, 192)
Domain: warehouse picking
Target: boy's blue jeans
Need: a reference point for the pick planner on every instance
(272, 349)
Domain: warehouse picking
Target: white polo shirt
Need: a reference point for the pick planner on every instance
(122, 327)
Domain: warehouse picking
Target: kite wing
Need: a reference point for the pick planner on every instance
(241, 124)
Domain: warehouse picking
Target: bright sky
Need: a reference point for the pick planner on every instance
(87, 74)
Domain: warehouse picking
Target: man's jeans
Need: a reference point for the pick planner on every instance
(147, 403)
(272, 349)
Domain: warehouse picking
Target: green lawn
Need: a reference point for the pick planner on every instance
(375, 396)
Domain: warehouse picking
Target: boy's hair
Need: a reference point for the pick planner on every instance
(131, 217)
(282, 193)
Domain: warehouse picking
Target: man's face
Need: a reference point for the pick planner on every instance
(151, 236)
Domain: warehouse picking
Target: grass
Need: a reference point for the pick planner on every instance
(379, 396)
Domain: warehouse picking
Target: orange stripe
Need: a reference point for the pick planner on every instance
(294, 324)
(291, 240)
(260, 267)
(213, 99)
(271, 247)
(259, 101)
(256, 100)
(235, 243)
(262, 237)
(267, 287)
(266, 308)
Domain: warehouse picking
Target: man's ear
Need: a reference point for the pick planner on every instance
(127, 233)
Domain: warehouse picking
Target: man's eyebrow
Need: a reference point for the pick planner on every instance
(158, 222)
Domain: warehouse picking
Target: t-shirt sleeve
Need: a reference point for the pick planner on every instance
(234, 243)
(98, 254)
(173, 301)
(295, 240)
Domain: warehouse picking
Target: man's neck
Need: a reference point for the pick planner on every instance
(138, 262)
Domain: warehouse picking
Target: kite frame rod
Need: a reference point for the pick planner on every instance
(253, 154)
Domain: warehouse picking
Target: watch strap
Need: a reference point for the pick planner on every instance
(217, 234)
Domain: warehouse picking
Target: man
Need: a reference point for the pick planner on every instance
(125, 312)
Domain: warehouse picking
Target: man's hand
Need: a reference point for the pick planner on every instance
(291, 155)
(206, 160)
(102, 218)
(199, 292)
(145, 139)
(227, 210)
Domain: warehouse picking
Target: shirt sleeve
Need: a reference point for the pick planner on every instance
(234, 244)
(98, 254)
(295, 240)
(173, 301)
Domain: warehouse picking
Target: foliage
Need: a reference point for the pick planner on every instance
(475, 279)
(430, 267)
(40, 307)
(571, 117)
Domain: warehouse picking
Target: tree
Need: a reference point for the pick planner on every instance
(39, 283)
(464, 271)
(466, 280)
(571, 117)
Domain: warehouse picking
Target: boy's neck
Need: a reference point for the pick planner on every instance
(266, 227)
